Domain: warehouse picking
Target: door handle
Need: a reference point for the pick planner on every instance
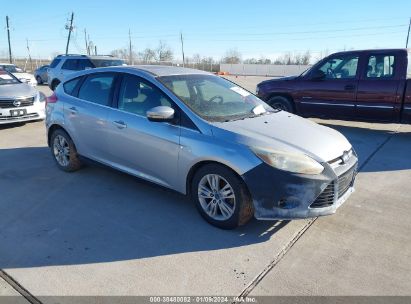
(349, 87)
(73, 110)
(120, 124)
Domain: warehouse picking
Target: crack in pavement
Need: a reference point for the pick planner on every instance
(19, 288)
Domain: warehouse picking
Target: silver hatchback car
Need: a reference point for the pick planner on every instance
(203, 136)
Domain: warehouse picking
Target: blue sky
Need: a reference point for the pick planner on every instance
(254, 27)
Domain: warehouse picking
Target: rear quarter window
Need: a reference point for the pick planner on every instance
(70, 86)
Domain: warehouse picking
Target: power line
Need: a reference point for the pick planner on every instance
(296, 39)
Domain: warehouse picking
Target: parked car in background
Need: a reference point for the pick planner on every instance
(19, 102)
(41, 74)
(64, 65)
(204, 136)
(19, 73)
(358, 85)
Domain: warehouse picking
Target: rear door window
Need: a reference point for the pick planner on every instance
(97, 88)
(70, 64)
(380, 66)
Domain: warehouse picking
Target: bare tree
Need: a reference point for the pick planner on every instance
(305, 59)
(250, 61)
(148, 55)
(232, 56)
(163, 52)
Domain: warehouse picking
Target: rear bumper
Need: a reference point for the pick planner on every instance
(282, 195)
(34, 112)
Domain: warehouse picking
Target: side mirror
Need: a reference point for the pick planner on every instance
(318, 75)
(161, 113)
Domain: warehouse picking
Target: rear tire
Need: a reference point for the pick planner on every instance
(221, 197)
(64, 151)
(282, 103)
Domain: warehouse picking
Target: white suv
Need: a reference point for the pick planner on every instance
(63, 65)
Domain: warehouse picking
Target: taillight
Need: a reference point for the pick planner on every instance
(52, 99)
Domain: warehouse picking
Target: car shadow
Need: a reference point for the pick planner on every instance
(367, 141)
(97, 215)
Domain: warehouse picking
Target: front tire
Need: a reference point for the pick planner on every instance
(221, 197)
(64, 151)
(281, 103)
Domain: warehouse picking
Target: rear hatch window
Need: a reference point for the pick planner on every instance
(101, 63)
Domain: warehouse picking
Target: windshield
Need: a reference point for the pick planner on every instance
(101, 63)
(9, 68)
(7, 78)
(214, 98)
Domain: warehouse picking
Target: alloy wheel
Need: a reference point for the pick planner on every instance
(61, 150)
(217, 197)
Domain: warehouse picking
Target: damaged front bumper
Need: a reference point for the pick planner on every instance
(283, 195)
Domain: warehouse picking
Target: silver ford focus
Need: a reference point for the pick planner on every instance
(203, 136)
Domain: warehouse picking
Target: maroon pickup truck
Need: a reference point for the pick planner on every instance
(355, 85)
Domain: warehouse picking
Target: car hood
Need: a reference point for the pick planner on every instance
(17, 90)
(288, 78)
(23, 75)
(285, 132)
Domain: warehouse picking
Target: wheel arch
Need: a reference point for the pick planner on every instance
(52, 129)
(199, 165)
(285, 95)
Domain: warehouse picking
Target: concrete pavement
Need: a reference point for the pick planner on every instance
(100, 232)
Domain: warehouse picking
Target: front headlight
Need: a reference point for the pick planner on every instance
(291, 162)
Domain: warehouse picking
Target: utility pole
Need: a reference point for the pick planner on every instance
(408, 35)
(8, 37)
(182, 47)
(130, 48)
(85, 38)
(95, 50)
(70, 29)
(28, 50)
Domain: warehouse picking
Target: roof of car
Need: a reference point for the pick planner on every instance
(164, 70)
(1, 63)
(373, 51)
(76, 56)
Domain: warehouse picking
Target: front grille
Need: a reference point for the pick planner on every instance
(326, 198)
(9, 103)
(345, 182)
